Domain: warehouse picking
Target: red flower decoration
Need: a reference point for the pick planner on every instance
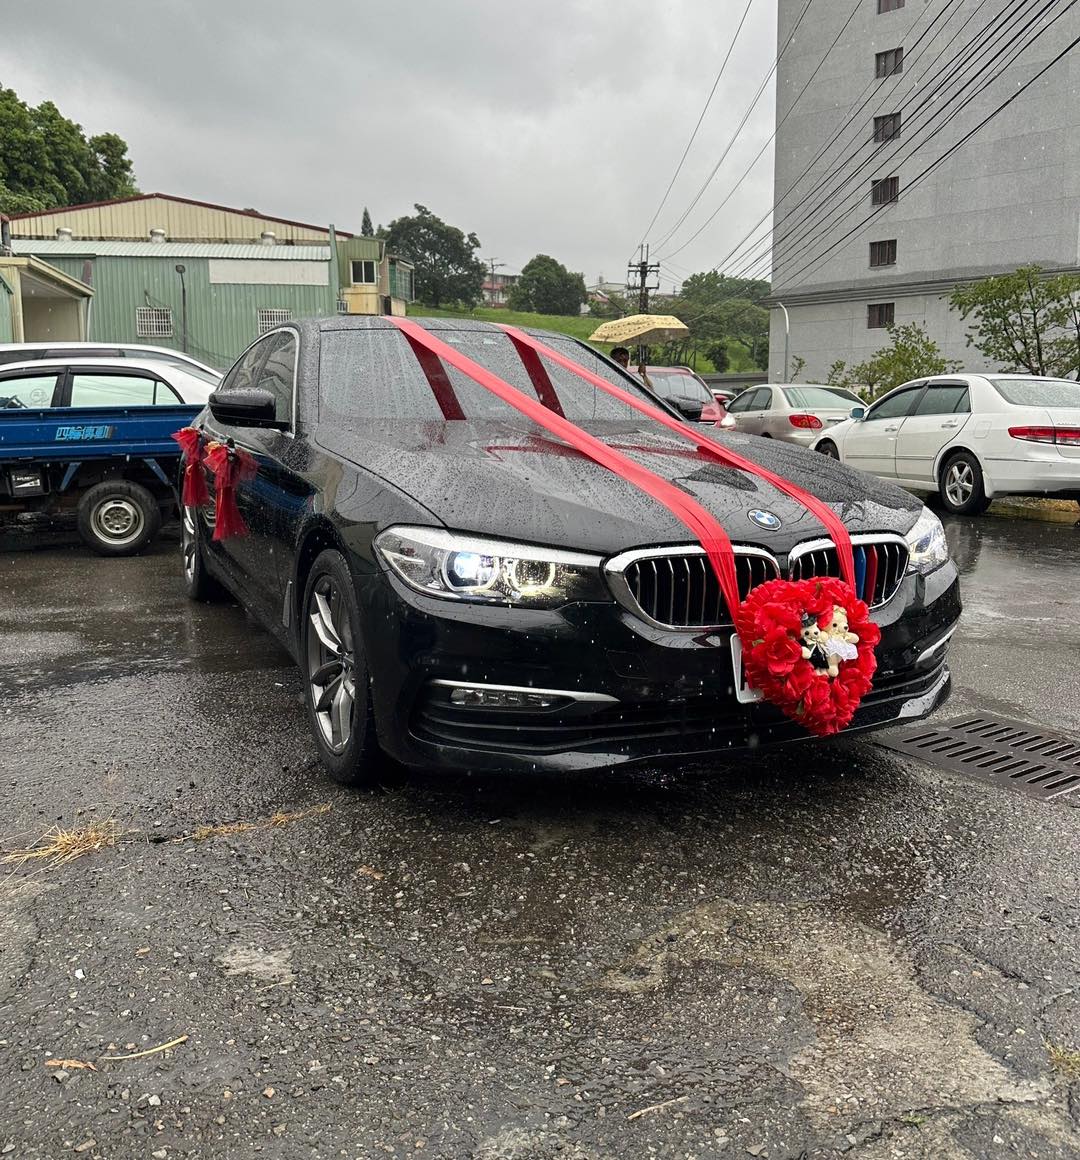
(782, 621)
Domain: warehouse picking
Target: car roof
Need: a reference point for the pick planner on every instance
(105, 362)
(60, 344)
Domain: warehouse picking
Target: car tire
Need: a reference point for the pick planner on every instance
(198, 583)
(829, 449)
(337, 692)
(118, 518)
(961, 485)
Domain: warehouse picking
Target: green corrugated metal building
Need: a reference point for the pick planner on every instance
(208, 279)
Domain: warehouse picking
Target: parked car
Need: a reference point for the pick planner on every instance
(460, 589)
(793, 412)
(682, 389)
(94, 436)
(970, 438)
(723, 394)
(18, 352)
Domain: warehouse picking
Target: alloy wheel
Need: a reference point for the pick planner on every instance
(118, 520)
(188, 545)
(331, 663)
(959, 483)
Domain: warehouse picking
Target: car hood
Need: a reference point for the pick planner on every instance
(517, 482)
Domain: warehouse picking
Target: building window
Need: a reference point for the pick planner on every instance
(269, 318)
(889, 5)
(887, 128)
(880, 315)
(883, 253)
(363, 273)
(884, 191)
(153, 322)
(887, 64)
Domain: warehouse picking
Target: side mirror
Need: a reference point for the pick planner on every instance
(858, 412)
(245, 407)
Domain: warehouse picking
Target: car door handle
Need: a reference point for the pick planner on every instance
(896, 428)
(954, 423)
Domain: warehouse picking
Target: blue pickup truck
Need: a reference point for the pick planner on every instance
(107, 455)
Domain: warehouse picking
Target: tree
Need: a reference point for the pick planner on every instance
(717, 353)
(447, 269)
(46, 160)
(912, 354)
(547, 287)
(1024, 321)
(367, 230)
(798, 364)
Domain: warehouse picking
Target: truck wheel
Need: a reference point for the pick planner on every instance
(198, 582)
(118, 518)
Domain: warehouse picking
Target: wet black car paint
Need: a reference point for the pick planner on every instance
(320, 486)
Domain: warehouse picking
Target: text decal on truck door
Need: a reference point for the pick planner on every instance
(89, 431)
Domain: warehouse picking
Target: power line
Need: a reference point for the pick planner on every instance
(861, 101)
(984, 41)
(834, 210)
(951, 150)
(701, 117)
(806, 226)
(738, 129)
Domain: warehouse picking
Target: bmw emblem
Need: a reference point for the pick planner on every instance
(764, 520)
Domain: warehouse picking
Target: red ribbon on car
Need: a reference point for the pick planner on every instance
(684, 507)
(230, 466)
(831, 521)
(705, 528)
(195, 493)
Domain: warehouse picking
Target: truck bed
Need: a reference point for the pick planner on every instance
(67, 434)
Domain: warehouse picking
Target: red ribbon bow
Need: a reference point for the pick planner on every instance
(230, 466)
(194, 493)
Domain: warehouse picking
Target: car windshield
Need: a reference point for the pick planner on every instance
(818, 397)
(374, 374)
(673, 384)
(1038, 392)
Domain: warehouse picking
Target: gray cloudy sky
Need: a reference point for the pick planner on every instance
(544, 125)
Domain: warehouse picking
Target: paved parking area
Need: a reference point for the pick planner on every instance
(824, 952)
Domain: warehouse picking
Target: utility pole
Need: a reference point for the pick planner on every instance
(639, 277)
(183, 307)
(493, 263)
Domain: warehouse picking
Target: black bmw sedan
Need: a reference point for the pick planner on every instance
(462, 588)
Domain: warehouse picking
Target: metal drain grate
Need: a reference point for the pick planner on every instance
(1044, 765)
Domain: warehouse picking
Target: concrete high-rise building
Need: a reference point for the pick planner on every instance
(856, 129)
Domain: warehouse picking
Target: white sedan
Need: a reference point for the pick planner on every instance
(971, 438)
(99, 382)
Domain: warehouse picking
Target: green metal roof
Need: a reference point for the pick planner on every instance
(54, 247)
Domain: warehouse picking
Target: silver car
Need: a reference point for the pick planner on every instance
(795, 412)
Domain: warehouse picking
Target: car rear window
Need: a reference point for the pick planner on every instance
(1038, 392)
(818, 397)
(679, 385)
(374, 374)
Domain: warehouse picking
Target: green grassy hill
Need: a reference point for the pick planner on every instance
(578, 325)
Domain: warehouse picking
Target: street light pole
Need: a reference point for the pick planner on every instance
(183, 307)
(787, 339)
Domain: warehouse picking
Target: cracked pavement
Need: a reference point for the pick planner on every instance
(821, 952)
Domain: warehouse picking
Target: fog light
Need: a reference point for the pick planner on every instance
(478, 697)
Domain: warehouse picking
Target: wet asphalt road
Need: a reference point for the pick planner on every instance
(826, 952)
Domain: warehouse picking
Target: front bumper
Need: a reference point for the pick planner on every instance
(658, 695)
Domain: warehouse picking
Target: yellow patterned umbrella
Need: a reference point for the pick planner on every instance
(641, 329)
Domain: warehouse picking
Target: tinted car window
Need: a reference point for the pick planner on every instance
(943, 399)
(677, 385)
(276, 375)
(895, 405)
(374, 374)
(105, 390)
(1038, 392)
(818, 397)
(27, 391)
(244, 373)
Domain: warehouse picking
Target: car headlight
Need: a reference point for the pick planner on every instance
(460, 567)
(927, 547)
